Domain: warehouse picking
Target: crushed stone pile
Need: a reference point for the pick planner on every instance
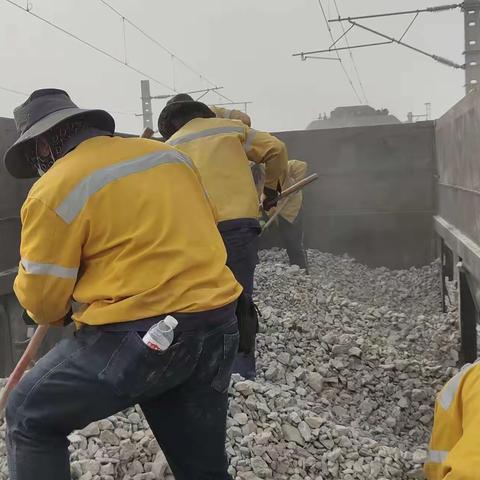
(349, 361)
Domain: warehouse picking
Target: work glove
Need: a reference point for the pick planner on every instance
(270, 198)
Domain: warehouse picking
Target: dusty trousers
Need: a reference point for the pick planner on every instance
(97, 373)
(241, 241)
(292, 238)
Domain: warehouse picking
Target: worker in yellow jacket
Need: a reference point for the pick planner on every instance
(454, 451)
(290, 218)
(124, 228)
(290, 221)
(221, 150)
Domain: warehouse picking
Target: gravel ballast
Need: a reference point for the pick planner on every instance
(349, 361)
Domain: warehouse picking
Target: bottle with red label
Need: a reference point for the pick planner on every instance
(161, 335)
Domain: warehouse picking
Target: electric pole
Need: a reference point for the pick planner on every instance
(472, 44)
(147, 98)
(146, 104)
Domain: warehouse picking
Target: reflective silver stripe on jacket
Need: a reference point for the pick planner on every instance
(51, 269)
(437, 456)
(205, 133)
(78, 197)
(250, 138)
(447, 395)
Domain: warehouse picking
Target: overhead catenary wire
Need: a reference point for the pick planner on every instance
(25, 94)
(389, 39)
(338, 55)
(15, 92)
(354, 63)
(410, 25)
(91, 45)
(163, 47)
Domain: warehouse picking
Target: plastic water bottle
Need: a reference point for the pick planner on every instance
(160, 336)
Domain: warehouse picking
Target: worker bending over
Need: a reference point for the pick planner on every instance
(290, 217)
(221, 150)
(123, 227)
(454, 451)
(290, 221)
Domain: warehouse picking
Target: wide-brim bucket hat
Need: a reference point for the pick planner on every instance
(43, 110)
(176, 105)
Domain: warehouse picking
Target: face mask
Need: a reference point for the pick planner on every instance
(43, 164)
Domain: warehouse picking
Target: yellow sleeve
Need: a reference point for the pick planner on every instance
(231, 114)
(435, 468)
(262, 147)
(242, 116)
(50, 260)
(297, 170)
(454, 450)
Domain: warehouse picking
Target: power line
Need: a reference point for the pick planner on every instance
(90, 45)
(16, 92)
(347, 43)
(440, 8)
(25, 94)
(338, 55)
(162, 47)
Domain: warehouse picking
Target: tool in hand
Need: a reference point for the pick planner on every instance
(296, 187)
(278, 211)
(284, 196)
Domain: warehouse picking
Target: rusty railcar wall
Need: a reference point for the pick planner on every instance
(375, 199)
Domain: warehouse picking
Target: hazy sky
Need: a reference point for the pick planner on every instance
(244, 45)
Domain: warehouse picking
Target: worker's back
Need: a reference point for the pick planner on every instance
(218, 148)
(297, 170)
(149, 243)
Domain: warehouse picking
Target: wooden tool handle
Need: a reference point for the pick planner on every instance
(147, 133)
(27, 357)
(296, 187)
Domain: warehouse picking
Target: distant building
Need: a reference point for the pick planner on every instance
(355, 116)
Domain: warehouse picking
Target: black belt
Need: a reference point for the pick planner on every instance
(186, 321)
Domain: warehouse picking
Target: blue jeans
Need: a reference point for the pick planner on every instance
(241, 242)
(97, 373)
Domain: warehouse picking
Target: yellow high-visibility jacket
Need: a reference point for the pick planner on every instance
(297, 170)
(221, 150)
(454, 452)
(123, 227)
(232, 115)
